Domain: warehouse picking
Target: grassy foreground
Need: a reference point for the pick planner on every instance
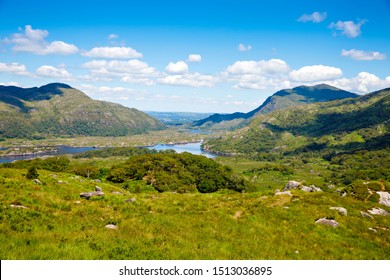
(57, 224)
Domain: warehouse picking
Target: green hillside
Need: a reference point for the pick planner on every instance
(279, 100)
(60, 110)
(340, 125)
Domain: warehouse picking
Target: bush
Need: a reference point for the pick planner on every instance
(88, 171)
(32, 173)
(178, 172)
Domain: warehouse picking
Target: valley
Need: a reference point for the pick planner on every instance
(166, 205)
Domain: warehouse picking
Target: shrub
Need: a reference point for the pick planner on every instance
(88, 171)
(178, 172)
(32, 173)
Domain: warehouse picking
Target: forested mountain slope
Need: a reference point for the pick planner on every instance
(60, 110)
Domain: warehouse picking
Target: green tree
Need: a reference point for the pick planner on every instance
(32, 173)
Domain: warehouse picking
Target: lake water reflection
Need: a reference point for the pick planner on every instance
(193, 148)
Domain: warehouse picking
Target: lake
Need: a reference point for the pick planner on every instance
(193, 148)
(60, 150)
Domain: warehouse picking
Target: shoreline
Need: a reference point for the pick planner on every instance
(57, 150)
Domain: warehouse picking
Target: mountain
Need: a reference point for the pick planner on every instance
(60, 110)
(339, 125)
(283, 99)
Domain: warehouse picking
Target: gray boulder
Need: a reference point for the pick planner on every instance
(384, 198)
(88, 195)
(111, 226)
(328, 222)
(36, 181)
(372, 229)
(341, 210)
(130, 200)
(366, 215)
(306, 189)
(117, 193)
(284, 193)
(291, 185)
(378, 211)
(315, 189)
(310, 188)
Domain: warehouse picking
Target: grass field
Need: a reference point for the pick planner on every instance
(58, 224)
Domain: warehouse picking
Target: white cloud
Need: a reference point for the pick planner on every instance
(112, 37)
(189, 79)
(315, 73)
(194, 58)
(271, 66)
(138, 80)
(363, 55)
(15, 84)
(179, 67)
(119, 67)
(243, 48)
(113, 52)
(113, 94)
(13, 68)
(348, 28)
(364, 82)
(315, 17)
(130, 71)
(263, 74)
(33, 41)
(53, 72)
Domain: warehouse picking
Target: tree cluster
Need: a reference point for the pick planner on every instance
(179, 172)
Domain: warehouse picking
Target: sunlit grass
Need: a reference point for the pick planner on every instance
(59, 225)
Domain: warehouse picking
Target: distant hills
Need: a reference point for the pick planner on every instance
(340, 125)
(279, 100)
(60, 110)
(177, 118)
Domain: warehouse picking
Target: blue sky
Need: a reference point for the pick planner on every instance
(200, 56)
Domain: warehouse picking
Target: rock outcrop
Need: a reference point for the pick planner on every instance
(378, 211)
(292, 185)
(384, 198)
(341, 210)
(88, 195)
(328, 222)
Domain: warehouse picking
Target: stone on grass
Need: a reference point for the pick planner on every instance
(130, 200)
(384, 198)
(366, 215)
(315, 189)
(117, 193)
(306, 189)
(372, 229)
(310, 188)
(36, 181)
(341, 210)
(291, 185)
(378, 211)
(88, 195)
(284, 193)
(111, 226)
(328, 222)
(18, 206)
